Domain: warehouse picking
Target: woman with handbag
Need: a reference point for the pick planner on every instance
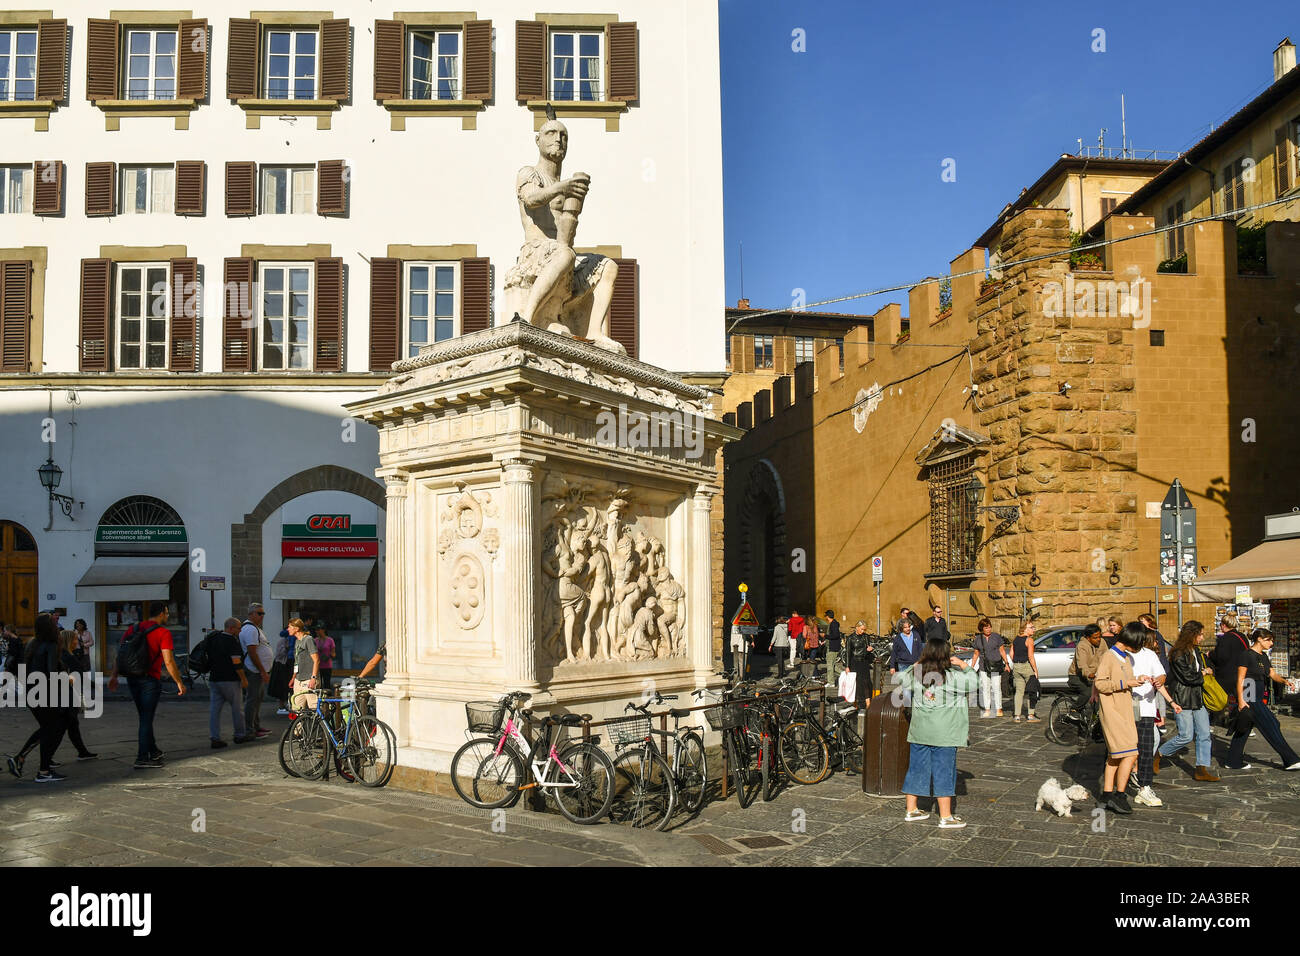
(1255, 677)
(1023, 667)
(1187, 687)
(990, 661)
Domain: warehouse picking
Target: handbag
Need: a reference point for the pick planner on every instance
(1213, 695)
(1244, 720)
(848, 686)
(1033, 689)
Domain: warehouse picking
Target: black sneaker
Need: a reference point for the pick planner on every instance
(218, 744)
(15, 765)
(54, 763)
(157, 755)
(49, 776)
(149, 763)
(243, 740)
(1119, 802)
(87, 756)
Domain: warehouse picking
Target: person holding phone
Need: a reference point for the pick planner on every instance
(1114, 685)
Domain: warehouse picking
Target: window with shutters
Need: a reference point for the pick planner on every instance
(1108, 204)
(15, 189)
(764, 351)
(1234, 188)
(288, 190)
(804, 349)
(150, 64)
(434, 65)
(142, 302)
(17, 64)
(285, 311)
(430, 306)
(577, 65)
(147, 190)
(1175, 242)
(291, 64)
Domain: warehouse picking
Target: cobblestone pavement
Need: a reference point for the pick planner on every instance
(108, 814)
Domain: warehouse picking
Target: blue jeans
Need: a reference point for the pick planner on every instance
(931, 771)
(145, 691)
(1191, 723)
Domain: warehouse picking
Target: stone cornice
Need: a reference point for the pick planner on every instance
(523, 334)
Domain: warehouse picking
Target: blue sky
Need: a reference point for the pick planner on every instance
(832, 157)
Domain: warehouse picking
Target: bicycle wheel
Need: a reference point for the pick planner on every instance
(741, 772)
(767, 760)
(305, 748)
(584, 787)
(804, 754)
(851, 746)
(485, 779)
(692, 772)
(371, 751)
(644, 793)
(285, 765)
(1064, 725)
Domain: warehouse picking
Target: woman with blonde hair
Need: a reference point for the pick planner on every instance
(1023, 666)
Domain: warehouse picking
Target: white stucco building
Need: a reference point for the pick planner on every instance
(350, 175)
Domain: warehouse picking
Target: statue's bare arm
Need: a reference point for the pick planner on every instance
(534, 194)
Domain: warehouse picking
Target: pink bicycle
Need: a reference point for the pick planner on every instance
(488, 772)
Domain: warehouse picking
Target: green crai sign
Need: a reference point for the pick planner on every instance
(140, 534)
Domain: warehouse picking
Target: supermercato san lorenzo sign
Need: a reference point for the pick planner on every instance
(329, 536)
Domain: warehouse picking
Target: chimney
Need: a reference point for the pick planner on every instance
(744, 303)
(1283, 59)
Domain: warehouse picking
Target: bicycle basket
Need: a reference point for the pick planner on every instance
(485, 716)
(628, 730)
(726, 716)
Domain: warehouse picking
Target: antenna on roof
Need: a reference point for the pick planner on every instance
(1123, 126)
(742, 270)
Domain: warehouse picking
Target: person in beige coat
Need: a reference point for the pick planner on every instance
(1114, 685)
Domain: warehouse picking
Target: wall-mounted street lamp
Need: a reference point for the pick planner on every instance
(50, 475)
(1007, 515)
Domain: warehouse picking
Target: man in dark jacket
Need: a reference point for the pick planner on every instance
(906, 649)
(834, 644)
(935, 625)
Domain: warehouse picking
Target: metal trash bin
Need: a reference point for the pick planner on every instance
(887, 748)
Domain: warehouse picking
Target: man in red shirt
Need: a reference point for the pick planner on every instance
(146, 690)
(796, 634)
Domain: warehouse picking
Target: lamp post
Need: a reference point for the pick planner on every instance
(50, 475)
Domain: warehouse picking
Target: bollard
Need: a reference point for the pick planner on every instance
(887, 750)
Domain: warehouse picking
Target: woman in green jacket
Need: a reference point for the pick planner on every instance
(941, 685)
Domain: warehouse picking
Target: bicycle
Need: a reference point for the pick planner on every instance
(293, 749)
(365, 746)
(578, 774)
(749, 739)
(1068, 726)
(811, 750)
(647, 787)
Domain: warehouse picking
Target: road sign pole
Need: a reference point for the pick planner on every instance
(877, 608)
(1178, 547)
(212, 608)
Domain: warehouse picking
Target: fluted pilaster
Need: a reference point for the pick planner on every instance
(518, 551)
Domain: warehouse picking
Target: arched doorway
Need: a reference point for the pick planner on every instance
(763, 556)
(18, 578)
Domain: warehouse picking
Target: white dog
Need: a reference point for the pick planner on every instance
(1059, 800)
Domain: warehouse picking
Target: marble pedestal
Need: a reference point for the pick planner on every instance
(541, 491)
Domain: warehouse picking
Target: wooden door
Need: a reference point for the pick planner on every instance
(18, 573)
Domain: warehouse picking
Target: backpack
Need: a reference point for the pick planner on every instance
(133, 657)
(200, 659)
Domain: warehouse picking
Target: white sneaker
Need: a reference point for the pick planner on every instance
(915, 816)
(1147, 798)
(282, 712)
(951, 823)
(1294, 766)
(986, 715)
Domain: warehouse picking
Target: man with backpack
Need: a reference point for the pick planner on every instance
(221, 656)
(258, 659)
(145, 649)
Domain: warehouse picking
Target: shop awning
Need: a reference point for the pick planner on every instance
(322, 579)
(122, 578)
(1272, 570)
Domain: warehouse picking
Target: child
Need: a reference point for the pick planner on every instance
(940, 685)
(1114, 684)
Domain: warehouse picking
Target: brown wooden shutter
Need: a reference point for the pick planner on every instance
(385, 313)
(331, 188)
(47, 197)
(241, 189)
(329, 315)
(237, 296)
(51, 60)
(191, 187)
(184, 316)
(102, 66)
(192, 59)
(390, 59)
(624, 307)
(335, 60)
(241, 59)
(478, 60)
(530, 60)
(96, 324)
(15, 315)
(475, 295)
(1281, 172)
(624, 71)
(101, 189)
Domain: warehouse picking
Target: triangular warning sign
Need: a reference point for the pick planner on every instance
(745, 617)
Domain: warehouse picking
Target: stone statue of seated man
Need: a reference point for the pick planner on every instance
(551, 285)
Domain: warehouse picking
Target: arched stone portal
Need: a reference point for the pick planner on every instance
(763, 548)
(246, 538)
